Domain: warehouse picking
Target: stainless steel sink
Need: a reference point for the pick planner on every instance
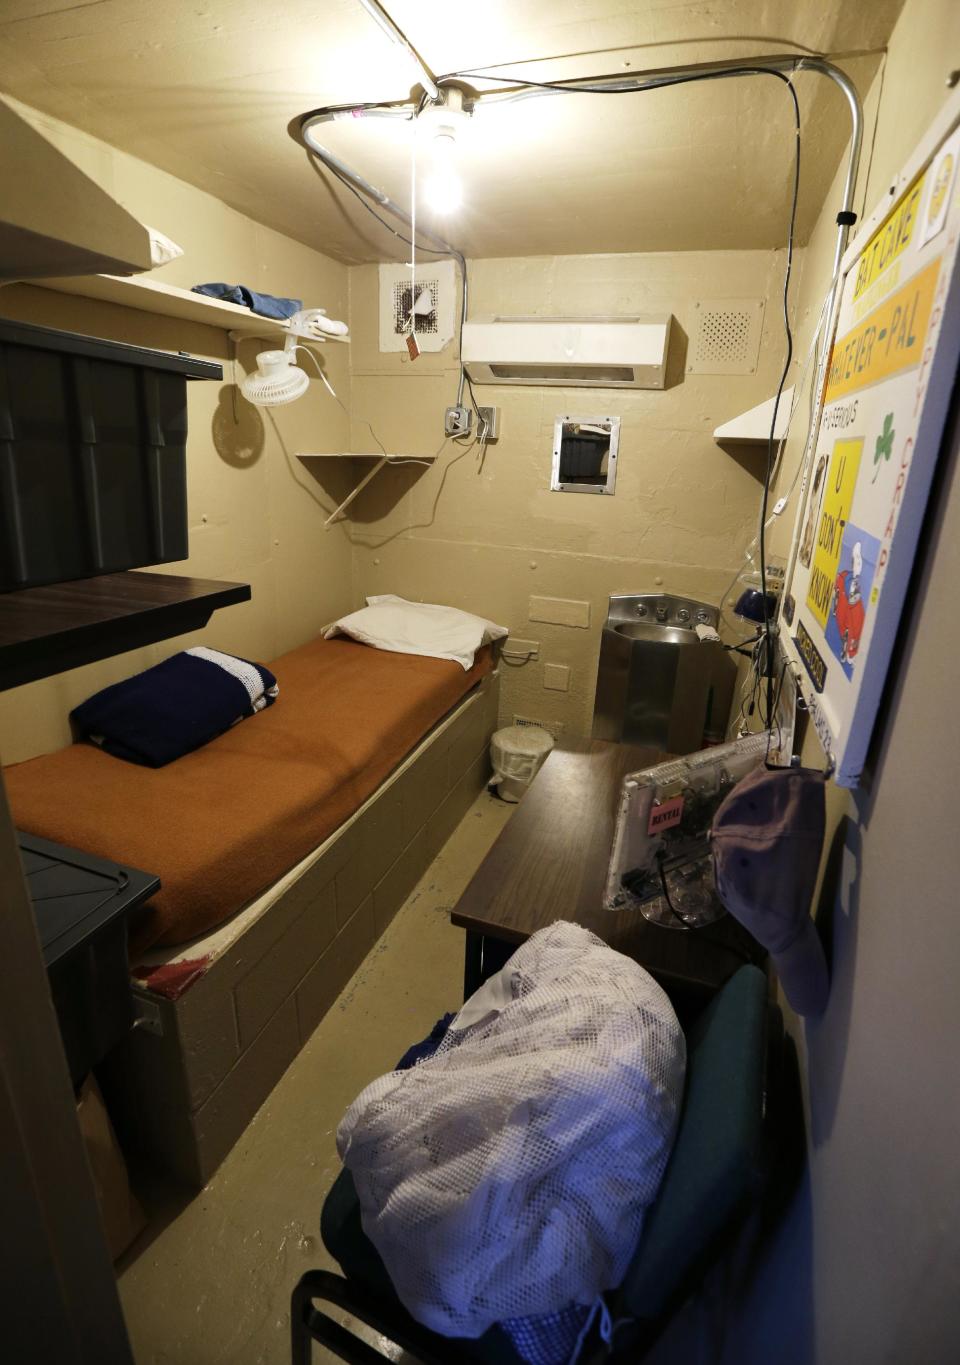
(652, 630)
(658, 684)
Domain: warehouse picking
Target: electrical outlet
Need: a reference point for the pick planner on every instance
(488, 423)
(457, 421)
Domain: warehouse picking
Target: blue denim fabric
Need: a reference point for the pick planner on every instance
(265, 305)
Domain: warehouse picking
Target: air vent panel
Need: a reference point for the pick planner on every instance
(726, 338)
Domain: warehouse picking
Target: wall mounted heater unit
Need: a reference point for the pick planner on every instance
(592, 353)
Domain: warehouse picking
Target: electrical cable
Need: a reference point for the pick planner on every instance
(661, 854)
(788, 360)
(634, 86)
(785, 498)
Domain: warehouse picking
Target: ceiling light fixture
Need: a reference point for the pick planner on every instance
(444, 122)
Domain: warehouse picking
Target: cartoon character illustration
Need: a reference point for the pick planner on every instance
(848, 605)
(806, 545)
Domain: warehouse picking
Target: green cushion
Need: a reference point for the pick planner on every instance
(713, 1169)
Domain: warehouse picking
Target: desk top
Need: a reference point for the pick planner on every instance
(550, 863)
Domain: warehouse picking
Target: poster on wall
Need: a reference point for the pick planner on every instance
(879, 427)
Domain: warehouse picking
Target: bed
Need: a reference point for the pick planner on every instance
(284, 848)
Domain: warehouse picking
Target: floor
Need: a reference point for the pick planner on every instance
(209, 1282)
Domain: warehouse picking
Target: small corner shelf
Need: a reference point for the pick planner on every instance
(754, 425)
(50, 629)
(381, 460)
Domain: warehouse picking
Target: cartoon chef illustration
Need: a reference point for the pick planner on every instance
(848, 605)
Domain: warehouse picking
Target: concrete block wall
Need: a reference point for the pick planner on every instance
(188, 1092)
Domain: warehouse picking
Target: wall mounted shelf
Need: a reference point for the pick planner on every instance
(53, 218)
(380, 459)
(754, 425)
(48, 630)
(168, 300)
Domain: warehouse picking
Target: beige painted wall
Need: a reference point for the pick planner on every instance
(864, 1266)
(486, 536)
(256, 514)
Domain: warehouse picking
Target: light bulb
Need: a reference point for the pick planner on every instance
(444, 188)
(444, 191)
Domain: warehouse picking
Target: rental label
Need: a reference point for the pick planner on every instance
(665, 815)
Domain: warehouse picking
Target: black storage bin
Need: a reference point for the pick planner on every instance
(92, 455)
(82, 905)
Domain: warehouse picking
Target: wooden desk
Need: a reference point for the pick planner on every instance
(550, 863)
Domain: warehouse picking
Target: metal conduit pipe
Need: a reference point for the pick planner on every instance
(397, 35)
(604, 84)
(652, 80)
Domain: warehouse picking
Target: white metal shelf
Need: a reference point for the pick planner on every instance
(381, 460)
(754, 424)
(150, 296)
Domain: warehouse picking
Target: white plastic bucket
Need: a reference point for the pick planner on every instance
(517, 753)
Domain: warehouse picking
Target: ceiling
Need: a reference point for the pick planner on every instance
(205, 89)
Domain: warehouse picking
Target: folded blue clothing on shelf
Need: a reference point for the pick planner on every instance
(175, 707)
(266, 305)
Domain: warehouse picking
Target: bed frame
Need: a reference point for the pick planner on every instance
(222, 1018)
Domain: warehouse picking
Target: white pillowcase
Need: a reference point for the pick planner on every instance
(402, 627)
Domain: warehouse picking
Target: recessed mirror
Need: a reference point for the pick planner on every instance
(585, 454)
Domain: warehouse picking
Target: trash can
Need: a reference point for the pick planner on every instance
(517, 753)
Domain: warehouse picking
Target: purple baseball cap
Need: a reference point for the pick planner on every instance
(766, 837)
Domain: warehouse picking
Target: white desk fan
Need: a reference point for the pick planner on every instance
(278, 378)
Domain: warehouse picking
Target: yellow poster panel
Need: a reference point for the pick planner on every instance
(888, 340)
(837, 501)
(892, 237)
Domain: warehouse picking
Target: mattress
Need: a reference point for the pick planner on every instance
(222, 824)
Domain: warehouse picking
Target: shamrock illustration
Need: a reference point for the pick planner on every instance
(884, 446)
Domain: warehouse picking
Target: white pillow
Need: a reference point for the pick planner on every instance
(402, 627)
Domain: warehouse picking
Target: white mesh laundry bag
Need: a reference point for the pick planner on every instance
(508, 1174)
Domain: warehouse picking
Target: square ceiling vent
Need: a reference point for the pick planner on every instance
(726, 337)
(433, 288)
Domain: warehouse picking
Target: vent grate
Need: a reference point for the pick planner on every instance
(728, 337)
(424, 324)
(397, 294)
(552, 727)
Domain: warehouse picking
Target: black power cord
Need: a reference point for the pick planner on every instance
(771, 440)
(666, 891)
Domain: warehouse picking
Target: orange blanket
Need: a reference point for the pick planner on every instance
(222, 824)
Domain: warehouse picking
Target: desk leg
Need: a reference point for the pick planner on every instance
(472, 963)
(483, 957)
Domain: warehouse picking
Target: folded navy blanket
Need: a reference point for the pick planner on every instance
(175, 707)
(267, 305)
